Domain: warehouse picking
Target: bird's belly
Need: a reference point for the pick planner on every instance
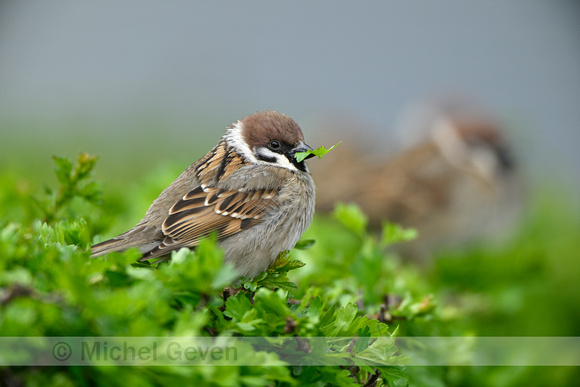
(254, 249)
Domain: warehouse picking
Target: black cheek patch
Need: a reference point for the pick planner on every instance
(266, 158)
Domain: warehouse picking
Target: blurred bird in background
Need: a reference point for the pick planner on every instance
(454, 178)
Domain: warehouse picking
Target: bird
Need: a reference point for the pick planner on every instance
(456, 184)
(249, 190)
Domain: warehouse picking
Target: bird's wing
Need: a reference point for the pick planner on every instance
(207, 209)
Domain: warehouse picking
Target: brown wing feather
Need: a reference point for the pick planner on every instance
(206, 210)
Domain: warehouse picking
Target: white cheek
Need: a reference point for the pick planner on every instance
(235, 139)
(485, 161)
(281, 160)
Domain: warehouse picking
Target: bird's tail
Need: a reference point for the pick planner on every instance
(115, 244)
(142, 237)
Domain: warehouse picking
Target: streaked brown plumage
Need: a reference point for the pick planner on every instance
(456, 185)
(249, 189)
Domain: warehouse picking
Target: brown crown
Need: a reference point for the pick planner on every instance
(471, 130)
(260, 128)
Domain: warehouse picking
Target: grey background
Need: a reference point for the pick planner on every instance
(119, 76)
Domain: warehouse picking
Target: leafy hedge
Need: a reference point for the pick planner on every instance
(340, 281)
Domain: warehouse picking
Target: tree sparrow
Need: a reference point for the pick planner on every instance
(455, 184)
(249, 189)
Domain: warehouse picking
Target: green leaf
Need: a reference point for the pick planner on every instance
(63, 169)
(305, 244)
(319, 152)
(394, 233)
(351, 216)
(72, 185)
(362, 342)
(84, 166)
(395, 376)
(344, 318)
(237, 306)
(276, 277)
(268, 302)
(92, 192)
(327, 318)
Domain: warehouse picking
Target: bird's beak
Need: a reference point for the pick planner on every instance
(302, 147)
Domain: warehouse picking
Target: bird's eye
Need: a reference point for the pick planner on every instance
(274, 145)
